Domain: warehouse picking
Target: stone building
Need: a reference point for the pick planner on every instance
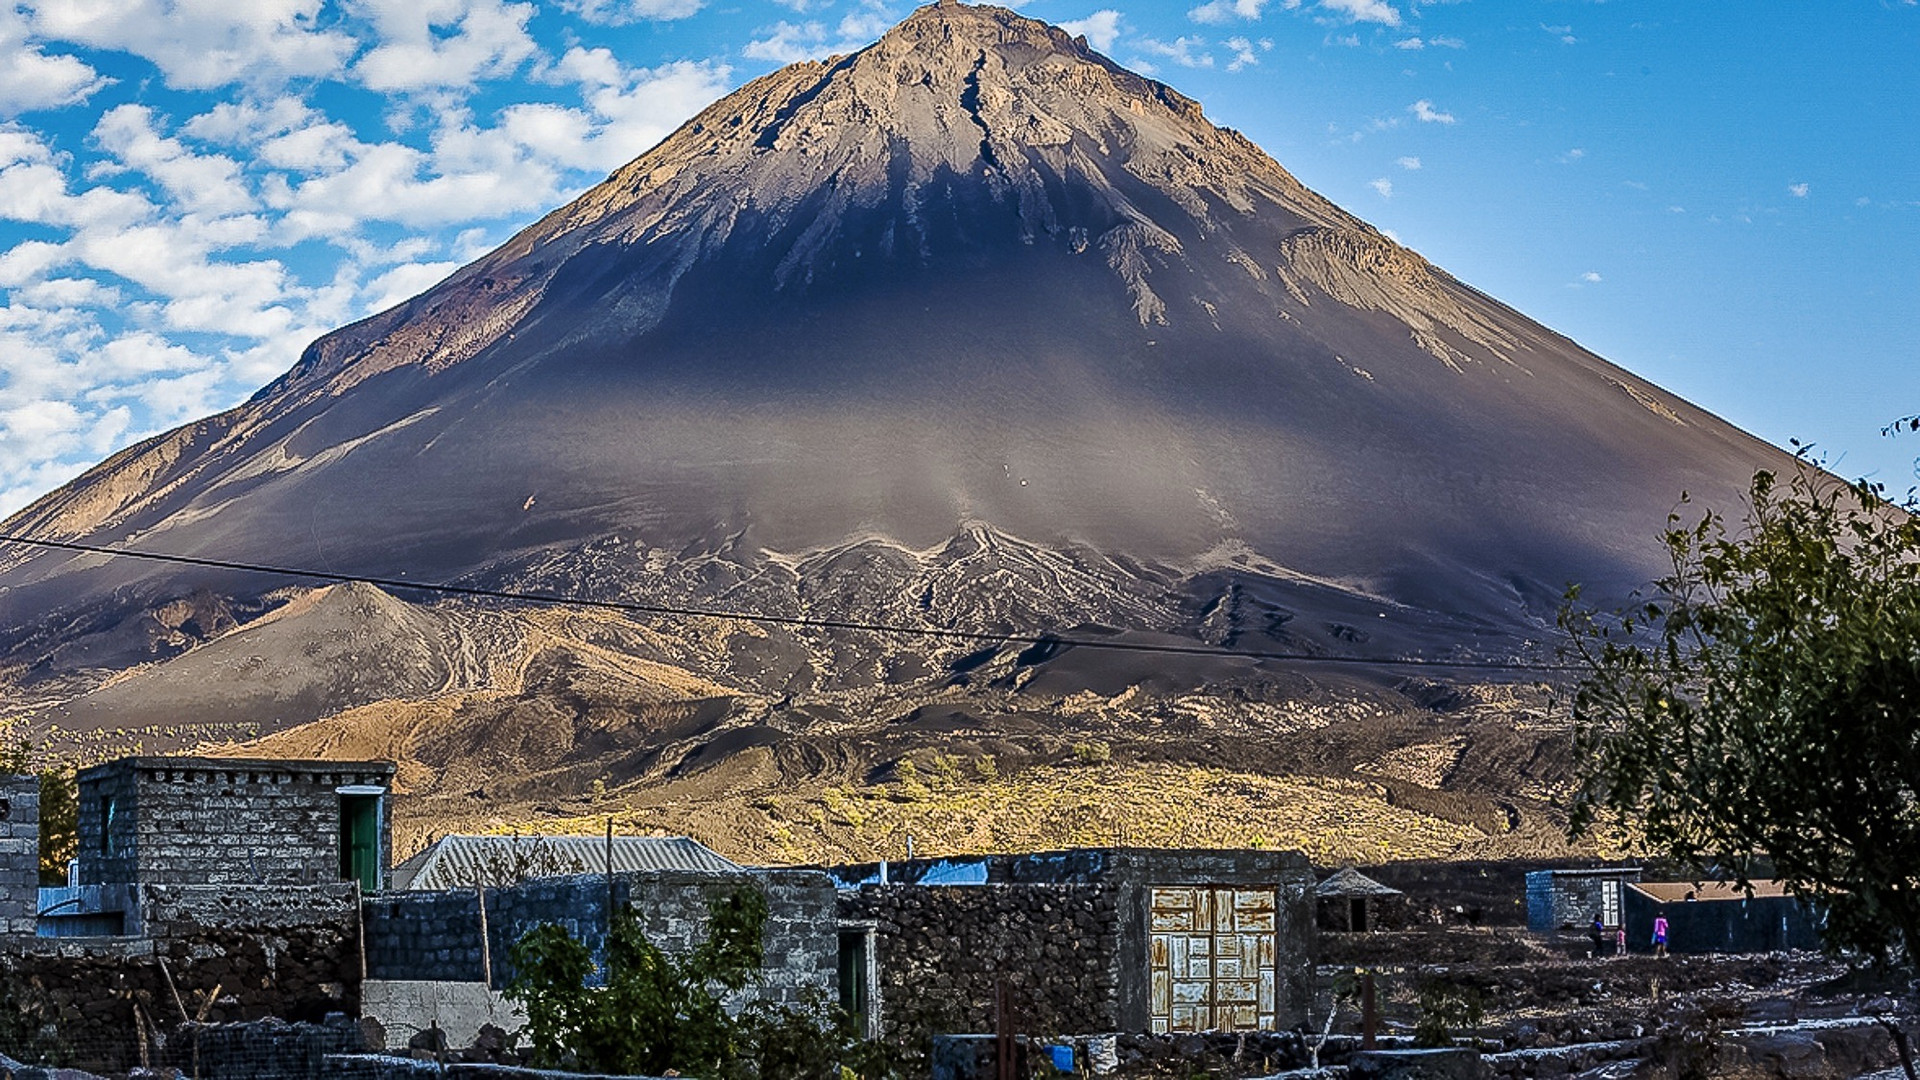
(234, 821)
(19, 853)
(1351, 902)
(230, 888)
(1571, 899)
(1112, 939)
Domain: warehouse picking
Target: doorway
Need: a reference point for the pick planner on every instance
(360, 840)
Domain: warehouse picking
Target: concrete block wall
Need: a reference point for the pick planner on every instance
(436, 936)
(1129, 876)
(404, 1008)
(800, 941)
(19, 853)
(1559, 899)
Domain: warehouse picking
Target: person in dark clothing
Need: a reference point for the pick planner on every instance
(1598, 932)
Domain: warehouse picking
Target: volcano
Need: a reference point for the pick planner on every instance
(973, 329)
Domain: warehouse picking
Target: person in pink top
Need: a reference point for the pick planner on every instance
(1660, 935)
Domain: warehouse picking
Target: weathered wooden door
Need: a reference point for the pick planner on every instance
(1211, 958)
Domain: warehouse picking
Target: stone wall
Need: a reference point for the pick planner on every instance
(209, 821)
(182, 911)
(1129, 876)
(436, 936)
(944, 948)
(76, 998)
(19, 853)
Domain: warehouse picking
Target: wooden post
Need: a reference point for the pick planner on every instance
(609, 879)
(1369, 1013)
(1003, 1030)
(486, 946)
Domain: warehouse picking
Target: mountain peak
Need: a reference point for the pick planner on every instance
(974, 271)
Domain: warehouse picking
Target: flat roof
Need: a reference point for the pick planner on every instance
(1675, 892)
(1597, 871)
(236, 764)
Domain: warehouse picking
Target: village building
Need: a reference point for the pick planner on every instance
(19, 853)
(1571, 899)
(182, 824)
(1102, 939)
(1720, 917)
(1349, 901)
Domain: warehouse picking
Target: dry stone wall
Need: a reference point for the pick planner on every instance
(943, 950)
(77, 999)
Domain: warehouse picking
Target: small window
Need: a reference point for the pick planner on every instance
(108, 806)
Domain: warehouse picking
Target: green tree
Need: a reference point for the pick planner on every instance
(653, 1012)
(1765, 700)
(59, 806)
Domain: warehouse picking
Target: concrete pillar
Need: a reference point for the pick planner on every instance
(19, 853)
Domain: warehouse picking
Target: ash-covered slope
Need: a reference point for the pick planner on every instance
(974, 280)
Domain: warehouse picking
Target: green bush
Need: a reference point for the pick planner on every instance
(659, 1015)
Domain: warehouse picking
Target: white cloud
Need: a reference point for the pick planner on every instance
(1424, 111)
(1382, 185)
(1222, 11)
(1244, 55)
(31, 79)
(1102, 28)
(1411, 164)
(1591, 277)
(621, 12)
(1799, 191)
(1412, 43)
(1571, 156)
(156, 269)
(1564, 33)
(1185, 51)
(1374, 11)
(202, 44)
(787, 43)
(443, 43)
(196, 183)
(402, 283)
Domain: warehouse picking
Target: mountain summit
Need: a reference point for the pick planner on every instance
(972, 327)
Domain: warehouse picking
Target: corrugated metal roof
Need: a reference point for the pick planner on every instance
(456, 862)
(1351, 882)
(1677, 891)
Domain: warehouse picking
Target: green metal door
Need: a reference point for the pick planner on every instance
(360, 840)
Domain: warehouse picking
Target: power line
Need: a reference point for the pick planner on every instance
(808, 622)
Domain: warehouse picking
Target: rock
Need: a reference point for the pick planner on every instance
(1449, 1063)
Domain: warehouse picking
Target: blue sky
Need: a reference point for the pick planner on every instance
(1722, 197)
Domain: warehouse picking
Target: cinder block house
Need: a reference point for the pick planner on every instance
(187, 826)
(19, 852)
(1570, 899)
(234, 821)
